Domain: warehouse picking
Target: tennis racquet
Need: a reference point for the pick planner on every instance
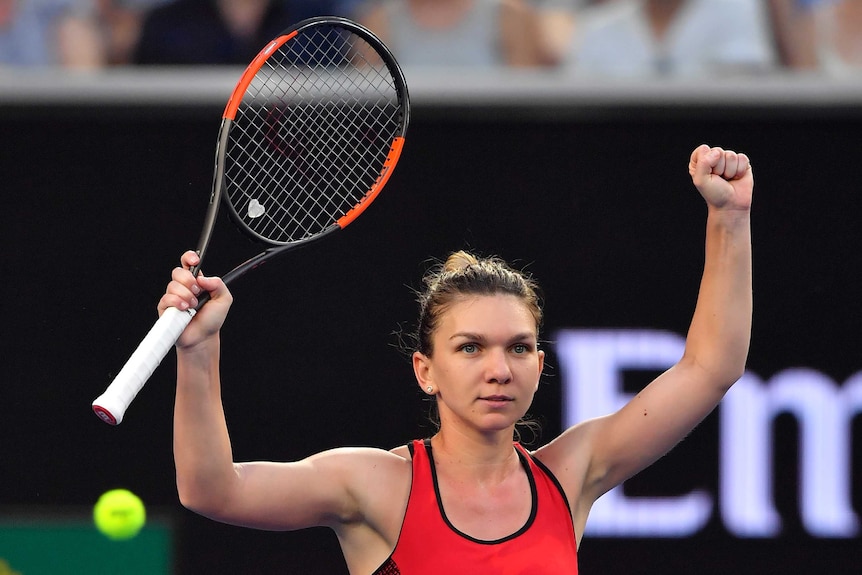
(308, 139)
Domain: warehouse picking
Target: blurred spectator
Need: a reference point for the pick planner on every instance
(61, 33)
(348, 8)
(191, 32)
(458, 32)
(682, 38)
(121, 26)
(795, 31)
(822, 35)
(840, 45)
(557, 20)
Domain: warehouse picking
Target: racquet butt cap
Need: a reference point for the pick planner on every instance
(105, 413)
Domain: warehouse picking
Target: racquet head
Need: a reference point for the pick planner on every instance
(312, 132)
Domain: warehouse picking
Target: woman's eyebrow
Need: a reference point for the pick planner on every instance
(527, 335)
(467, 335)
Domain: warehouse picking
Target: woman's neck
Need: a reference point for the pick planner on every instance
(485, 458)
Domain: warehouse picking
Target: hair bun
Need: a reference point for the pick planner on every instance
(459, 260)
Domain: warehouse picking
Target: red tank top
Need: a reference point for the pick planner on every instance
(430, 545)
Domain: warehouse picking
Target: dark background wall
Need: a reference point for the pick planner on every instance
(597, 204)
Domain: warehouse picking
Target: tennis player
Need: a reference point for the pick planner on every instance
(469, 499)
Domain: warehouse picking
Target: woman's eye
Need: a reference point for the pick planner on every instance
(469, 348)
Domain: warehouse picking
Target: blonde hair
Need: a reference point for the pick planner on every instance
(464, 274)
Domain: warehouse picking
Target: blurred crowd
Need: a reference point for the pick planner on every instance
(606, 38)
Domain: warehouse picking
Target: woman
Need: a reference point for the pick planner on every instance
(477, 504)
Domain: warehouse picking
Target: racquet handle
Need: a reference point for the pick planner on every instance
(112, 404)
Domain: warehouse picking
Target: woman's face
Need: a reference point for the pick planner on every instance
(486, 365)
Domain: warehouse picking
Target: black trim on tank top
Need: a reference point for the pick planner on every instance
(533, 498)
(552, 477)
(541, 465)
(389, 567)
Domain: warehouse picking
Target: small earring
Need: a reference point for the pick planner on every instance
(429, 389)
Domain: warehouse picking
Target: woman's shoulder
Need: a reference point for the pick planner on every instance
(373, 455)
(403, 452)
(568, 455)
(371, 474)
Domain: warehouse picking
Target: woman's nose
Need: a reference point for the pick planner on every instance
(497, 367)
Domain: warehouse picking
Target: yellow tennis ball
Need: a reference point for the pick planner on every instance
(119, 514)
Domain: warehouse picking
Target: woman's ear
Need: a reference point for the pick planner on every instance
(541, 369)
(422, 370)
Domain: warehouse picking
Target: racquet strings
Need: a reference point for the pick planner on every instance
(311, 135)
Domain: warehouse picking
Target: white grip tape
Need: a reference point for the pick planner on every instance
(112, 404)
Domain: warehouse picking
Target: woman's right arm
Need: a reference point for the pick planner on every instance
(202, 451)
(319, 490)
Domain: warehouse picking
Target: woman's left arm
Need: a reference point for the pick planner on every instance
(608, 450)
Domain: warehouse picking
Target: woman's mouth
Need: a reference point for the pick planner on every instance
(497, 400)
